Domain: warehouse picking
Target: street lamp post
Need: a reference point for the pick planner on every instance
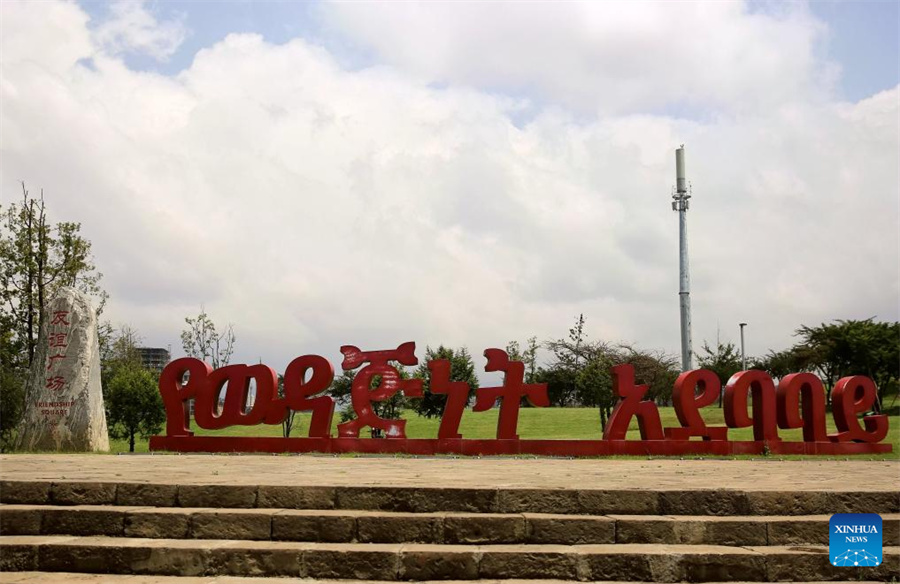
(743, 354)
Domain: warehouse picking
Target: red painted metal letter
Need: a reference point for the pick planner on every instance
(850, 396)
(688, 402)
(790, 390)
(457, 396)
(298, 392)
(511, 393)
(760, 386)
(176, 397)
(631, 404)
(360, 395)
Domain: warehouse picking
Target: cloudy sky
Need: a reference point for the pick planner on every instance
(463, 173)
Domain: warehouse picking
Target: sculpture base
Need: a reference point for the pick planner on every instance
(466, 447)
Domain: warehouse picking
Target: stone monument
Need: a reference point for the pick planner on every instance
(64, 400)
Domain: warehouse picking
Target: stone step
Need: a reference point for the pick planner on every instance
(390, 562)
(77, 578)
(720, 502)
(349, 526)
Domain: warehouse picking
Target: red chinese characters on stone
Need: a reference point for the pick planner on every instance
(55, 383)
(59, 318)
(361, 396)
(56, 340)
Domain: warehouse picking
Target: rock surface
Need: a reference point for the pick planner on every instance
(64, 400)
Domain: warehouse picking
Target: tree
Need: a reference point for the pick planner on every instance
(594, 386)
(119, 349)
(133, 404)
(462, 368)
(853, 347)
(288, 423)
(36, 259)
(201, 340)
(655, 369)
(528, 357)
(725, 361)
(570, 355)
(13, 376)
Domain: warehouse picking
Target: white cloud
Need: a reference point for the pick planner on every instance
(610, 57)
(132, 28)
(314, 206)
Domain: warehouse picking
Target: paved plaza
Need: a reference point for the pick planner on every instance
(310, 470)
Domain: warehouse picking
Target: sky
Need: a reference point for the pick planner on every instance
(328, 173)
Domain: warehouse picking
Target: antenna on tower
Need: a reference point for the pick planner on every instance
(681, 203)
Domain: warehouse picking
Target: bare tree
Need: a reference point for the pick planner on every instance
(201, 340)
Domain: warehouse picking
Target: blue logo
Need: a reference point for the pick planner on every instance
(855, 539)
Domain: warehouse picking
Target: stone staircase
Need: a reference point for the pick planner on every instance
(50, 530)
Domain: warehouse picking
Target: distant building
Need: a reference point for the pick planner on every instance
(154, 358)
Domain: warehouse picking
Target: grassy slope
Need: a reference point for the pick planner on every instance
(548, 423)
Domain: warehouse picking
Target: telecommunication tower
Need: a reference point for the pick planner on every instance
(681, 203)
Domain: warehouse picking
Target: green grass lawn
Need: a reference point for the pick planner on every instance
(534, 423)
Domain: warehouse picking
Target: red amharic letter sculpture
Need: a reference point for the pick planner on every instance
(360, 395)
(511, 393)
(790, 390)
(850, 396)
(631, 404)
(688, 402)
(176, 396)
(457, 397)
(760, 386)
(235, 404)
(298, 392)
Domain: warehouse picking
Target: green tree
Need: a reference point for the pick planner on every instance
(201, 340)
(594, 385)
(655, 369)
(853, 347)
(570, 355)
(528, 356)
(462, 368)
(724, 361)
(120, 349)
(133, 404)
(13, 375)
(36, 259)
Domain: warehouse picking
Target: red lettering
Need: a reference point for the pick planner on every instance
(759, 385)
(688, 402)
(297, 392)
(59, 318)
(812, 419)
(510, 394)
(851, 396)
(361, 397)
(234, 405)
(457, 396)
(631, 404)
(55, 383)
(177, 395)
